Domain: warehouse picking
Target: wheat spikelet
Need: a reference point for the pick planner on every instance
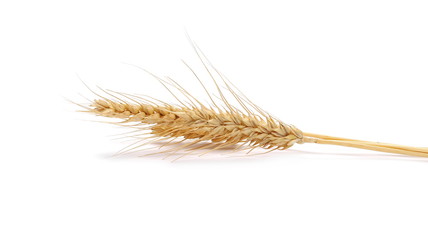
(202, 124)
(221, 125)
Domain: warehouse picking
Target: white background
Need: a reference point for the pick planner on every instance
(353, 69)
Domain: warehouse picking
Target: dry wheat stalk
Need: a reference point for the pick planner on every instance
(220, 124)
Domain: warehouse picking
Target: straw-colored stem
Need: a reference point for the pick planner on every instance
(368, 145)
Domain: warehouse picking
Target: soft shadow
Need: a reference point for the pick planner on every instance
(207, 152)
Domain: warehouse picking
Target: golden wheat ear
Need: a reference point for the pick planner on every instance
(190, 125)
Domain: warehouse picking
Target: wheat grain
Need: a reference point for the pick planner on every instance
(202, 124)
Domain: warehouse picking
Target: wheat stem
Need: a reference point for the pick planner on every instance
(368, 145)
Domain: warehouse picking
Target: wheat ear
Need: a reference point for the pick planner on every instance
(228, 128)
(221, 124)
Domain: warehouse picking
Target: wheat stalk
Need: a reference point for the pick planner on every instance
(221, 125)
